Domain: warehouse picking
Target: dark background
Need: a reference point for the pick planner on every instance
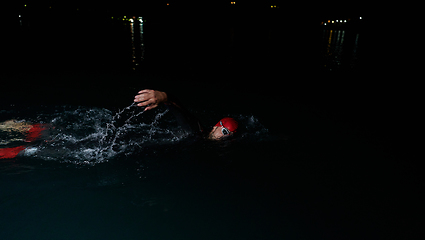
(246, 58)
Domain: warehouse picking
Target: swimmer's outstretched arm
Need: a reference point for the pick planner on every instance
(150, 98)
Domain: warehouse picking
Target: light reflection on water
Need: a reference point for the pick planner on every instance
(340, 49)
(137, 43)
(124, 37)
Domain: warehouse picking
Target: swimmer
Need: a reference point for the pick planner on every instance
(151, 99)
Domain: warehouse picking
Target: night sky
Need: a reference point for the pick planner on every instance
(292, 8)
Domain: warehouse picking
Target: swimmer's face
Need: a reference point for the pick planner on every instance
(217, 133)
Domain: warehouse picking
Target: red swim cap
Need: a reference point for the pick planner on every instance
(228, 123)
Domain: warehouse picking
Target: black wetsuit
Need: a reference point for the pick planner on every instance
(187, 121)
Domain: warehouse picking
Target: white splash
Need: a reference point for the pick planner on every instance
(91, 136)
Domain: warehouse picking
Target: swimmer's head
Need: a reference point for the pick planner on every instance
(224, 128)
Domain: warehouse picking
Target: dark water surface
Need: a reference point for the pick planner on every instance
(313, 159)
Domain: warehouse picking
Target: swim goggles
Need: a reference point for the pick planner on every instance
(224, 130)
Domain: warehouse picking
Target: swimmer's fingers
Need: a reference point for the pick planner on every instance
(144, 95)
(150, 101)
(146, 91)
(140, 98)
(150, 98)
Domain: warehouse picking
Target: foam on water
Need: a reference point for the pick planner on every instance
(93, 135)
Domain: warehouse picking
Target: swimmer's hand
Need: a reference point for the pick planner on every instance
(150, 98)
